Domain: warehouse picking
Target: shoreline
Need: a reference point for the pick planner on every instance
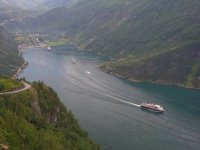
(22, 48)
(23, 66)
(133, 80)
(146, 81)
(20, 69)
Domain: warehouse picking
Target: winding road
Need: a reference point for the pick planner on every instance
(26, 87)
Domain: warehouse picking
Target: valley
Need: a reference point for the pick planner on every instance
(103, 58)
(137, 34)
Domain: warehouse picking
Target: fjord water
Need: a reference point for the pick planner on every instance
(107, 107)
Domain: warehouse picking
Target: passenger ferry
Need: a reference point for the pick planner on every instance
(152, 107)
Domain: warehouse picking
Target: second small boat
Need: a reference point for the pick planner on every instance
(73, 60)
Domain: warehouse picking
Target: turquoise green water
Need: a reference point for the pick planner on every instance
(107, 106)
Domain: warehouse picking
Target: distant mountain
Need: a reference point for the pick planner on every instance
(131, 30)
(9, 11)
(57, 3)
(14, 12)
(20, 9)
(23, 4)
(141, 24)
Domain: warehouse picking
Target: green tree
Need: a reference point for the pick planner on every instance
(2, 87)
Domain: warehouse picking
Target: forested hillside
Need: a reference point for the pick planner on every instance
(132, 30)
(10, 60)
(37, 120)
(180, 67)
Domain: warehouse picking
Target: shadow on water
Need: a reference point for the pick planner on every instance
(152, 112)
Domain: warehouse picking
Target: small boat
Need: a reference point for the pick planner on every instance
(88, 72)
(73, 60)
(49, 48)
(152, 107)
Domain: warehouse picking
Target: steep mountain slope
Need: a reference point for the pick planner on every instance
(23, 4)
(129, 29)
(123, 27)
(9, 11)
(180, 67)
(9, 57)
(36, 119)
(58, 3)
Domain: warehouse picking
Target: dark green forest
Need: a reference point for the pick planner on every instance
(37, 120)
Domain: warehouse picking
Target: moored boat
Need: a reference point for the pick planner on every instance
(49, 48)
(152, 107)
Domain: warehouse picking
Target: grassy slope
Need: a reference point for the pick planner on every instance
(59, 41)
(9, 58)
(37, 120)
(133, 30)
(7, 84)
